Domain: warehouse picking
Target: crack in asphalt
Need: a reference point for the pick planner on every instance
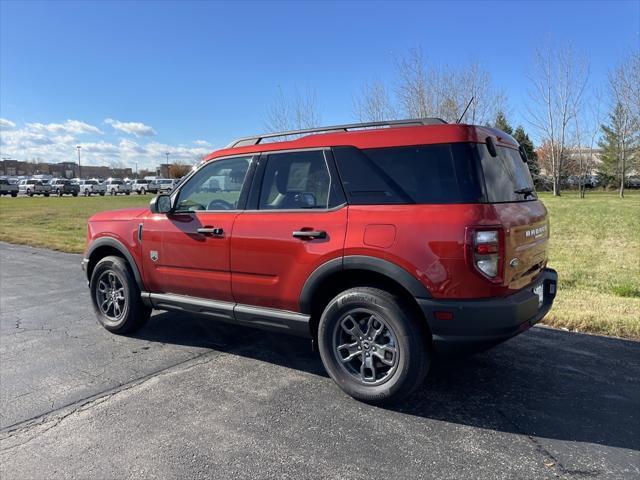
(54, 418)
(550, 461)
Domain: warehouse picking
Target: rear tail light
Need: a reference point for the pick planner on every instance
(485, 251)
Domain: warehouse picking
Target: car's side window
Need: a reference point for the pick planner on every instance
(217, 186)
(295, 180)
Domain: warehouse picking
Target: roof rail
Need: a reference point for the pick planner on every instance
(412, 122)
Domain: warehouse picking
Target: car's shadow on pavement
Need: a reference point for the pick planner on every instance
(545, 383)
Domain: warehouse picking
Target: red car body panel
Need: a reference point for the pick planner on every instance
(188, 263)
(269, 266)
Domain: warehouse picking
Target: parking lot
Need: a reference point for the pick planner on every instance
(185, 397)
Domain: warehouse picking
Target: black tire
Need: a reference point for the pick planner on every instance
(59, 192)
(127, 193)
(113, 191)
(133, 314)
(142, 192)
(47, 194)
(102, 194)
(14, 194)
(402, 334)
(75, 194)
(29, 193)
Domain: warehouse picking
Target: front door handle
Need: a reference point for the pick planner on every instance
(309, 234)
(218, 232)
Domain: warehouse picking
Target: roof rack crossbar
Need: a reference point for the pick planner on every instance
(256, 139)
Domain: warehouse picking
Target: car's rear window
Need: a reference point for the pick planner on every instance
(506, 176)
(428, 174)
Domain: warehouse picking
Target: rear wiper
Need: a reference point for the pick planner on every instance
(527, 191)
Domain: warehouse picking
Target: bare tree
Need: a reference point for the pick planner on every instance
(373, 104)
(292, 112)
(416, 89)
(443, 91)
(179, 170)
(624, 83)
(558, 80)
(586, 132)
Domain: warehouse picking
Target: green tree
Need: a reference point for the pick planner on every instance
(619, 145)
(502, 124)
(532, 157)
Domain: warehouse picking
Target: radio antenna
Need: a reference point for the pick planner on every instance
(465, 110)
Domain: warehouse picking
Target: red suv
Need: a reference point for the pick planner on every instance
(385, 243)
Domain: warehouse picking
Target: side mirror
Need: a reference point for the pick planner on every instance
(160, 204)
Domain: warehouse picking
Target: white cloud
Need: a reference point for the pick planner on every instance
(70, 126)
(138, 129)
(202, 143)
(7, 124)
(57, 143)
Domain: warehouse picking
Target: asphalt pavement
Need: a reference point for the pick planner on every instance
(189, 398)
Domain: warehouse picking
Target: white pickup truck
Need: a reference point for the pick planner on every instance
(115, 186)
(34, 186)
(88, 187)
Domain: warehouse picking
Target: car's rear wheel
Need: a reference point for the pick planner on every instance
(59, 192)
(142, 192)
(46, 194)
(127, 192)
(116, 296)
(75, 194)
(29, 192)
(14, 194)
(372, 345)
(113, 191)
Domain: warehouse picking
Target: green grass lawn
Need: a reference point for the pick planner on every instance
(595, 247)
(59, 223)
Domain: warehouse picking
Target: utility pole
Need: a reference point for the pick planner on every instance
(167, 154)
(136, 169)
(79, 167)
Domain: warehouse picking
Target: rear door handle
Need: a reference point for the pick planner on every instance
(309, 234)
(211, 231)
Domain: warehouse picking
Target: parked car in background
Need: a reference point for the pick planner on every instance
(161, 185)
(140, 186)
(633, 181)
(62, 186)
(34, 186)
(115, 186)
(8, 188)
(89, 187)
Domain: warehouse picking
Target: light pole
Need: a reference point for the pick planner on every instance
(79, 167)
(136, 169)
(167, 154)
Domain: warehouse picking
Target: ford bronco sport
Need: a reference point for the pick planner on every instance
(386, 243)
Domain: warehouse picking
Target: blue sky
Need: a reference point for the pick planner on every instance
(141, 78)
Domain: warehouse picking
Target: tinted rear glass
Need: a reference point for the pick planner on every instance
(505, 175)
(430, 174)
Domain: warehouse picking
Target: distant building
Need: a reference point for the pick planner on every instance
(62, 170)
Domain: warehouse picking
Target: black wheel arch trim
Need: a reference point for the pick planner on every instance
(360, 262)
(112, 242)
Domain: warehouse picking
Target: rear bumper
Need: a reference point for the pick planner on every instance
(478, 324)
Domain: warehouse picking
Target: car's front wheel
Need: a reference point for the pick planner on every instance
(116, 296)
(372, 345)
